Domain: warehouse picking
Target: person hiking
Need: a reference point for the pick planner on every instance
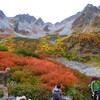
(4, 76)
(57, 92)
(94, 86)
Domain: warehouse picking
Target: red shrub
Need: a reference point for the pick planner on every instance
(49, 72)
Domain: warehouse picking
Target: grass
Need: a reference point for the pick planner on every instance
(95, 60)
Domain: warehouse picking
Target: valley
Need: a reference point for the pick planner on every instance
(41, 54)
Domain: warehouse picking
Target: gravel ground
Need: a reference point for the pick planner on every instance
(83, 68)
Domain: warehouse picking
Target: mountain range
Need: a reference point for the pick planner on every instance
(24, 25)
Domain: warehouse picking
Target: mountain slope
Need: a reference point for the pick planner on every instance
(2, 15)
(82, 23)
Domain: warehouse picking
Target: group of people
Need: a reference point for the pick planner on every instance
(56, 92)
(94, 87)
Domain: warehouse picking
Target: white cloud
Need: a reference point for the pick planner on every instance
(48, 10)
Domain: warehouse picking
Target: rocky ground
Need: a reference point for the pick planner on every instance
(83, 68)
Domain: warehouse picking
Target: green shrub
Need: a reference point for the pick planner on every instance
(40, 93)
(25, 53)
(85, 58)
(1, 93)
(74, 58)
(22, 89)
(22, 76)
(3, 48)
(78, 92)
(34, 93)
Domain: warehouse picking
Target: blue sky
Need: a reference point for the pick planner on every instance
(49, 10)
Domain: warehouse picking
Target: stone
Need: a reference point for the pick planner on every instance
(5, 91)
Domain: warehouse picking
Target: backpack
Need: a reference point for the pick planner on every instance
(96, 85)
(56, 94)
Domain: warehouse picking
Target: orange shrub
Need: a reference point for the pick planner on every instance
(50, 73)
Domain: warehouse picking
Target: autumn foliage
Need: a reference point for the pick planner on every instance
(48, 72)
(2, 36)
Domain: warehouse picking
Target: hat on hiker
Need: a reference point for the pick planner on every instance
(94, 78)
(58, 85)
(7, 69)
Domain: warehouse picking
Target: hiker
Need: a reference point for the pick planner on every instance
(4, 76)
(57, 92)
(94, 86)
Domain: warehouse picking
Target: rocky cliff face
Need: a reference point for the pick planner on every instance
(25, 17)
(39, 22)
(2, 15)
(87, 16)
(81, 22)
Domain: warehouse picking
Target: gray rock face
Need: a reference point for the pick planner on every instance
(2, 15)
(49, 24)
(11, 98)
(39, 22)
(80, 22)
(5, 92)
(86, 16)
(46, 28)
(25, 17)
(90, 7)
(99, 7)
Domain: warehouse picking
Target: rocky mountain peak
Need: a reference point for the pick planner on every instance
(91, 8)
(39, 22)
(25, 17)
(99, 7)
(87, 15)
(2, 15)
(57, 23)
(89, 5)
